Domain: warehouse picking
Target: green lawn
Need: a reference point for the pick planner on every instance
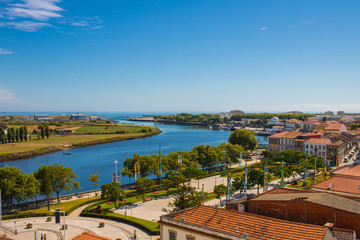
(310, 181)
(116, 128)
(68, 207)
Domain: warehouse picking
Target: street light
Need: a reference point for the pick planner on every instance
(64, 228)
(224, 160)
(315, 149)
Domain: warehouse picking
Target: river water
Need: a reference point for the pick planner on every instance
(100, 158)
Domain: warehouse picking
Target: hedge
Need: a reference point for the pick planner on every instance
(151, 228)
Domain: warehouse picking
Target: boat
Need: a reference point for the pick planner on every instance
(67, 153)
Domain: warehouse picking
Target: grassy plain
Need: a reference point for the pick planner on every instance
(84, 135)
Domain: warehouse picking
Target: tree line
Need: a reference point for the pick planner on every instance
(49, 180)
(21, 134)
(14, 135)
(187, 117)
(201, 156)
(268, 116)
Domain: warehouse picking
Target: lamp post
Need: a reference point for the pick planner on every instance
(0, 207)
(224, 161)
(305, 183)
(64, 228)
(316, 150)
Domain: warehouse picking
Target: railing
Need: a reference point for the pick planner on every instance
(7, 229)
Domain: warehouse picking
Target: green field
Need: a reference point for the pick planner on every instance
(116, 128)
(68, 207)
(89, 135)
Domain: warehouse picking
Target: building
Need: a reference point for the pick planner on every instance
(311, 207)
(317, 146)
(275, 121)
(89, 236)
(340, 113)
(335, 128)
(4, 127)
(210, 223)
(308, 125)
(287, 140)
(77, 117)
(274, 141)
(346, 181)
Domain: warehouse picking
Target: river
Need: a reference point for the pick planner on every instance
(100, 158)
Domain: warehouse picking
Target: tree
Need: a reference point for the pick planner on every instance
(42, 130)
(47, 131)
(21, 134)
(61, 178)
(220, 190)
(192, 172)
(2, 136)
(256, 177)
(185, 198)
(25, 133)
(112, 192)
(16, 185)
(32, 187)
(9, 135)
(176, 178)
(243, 137)
(127, 172)
(354, 126)
(144, 186)
(238, 183)
(43, 175)
(95, 179)
(206, 155)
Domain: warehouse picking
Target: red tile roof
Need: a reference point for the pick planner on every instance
(256, 226)
(89, 236)
(340, 184)
(291, 135)
(278, 135)
(334, 126)
(348, 171)
(319, 140)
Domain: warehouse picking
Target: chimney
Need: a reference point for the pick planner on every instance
(329, 225)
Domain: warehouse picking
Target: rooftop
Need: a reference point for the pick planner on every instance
(319, 140)
(291, 135)
(89, 236)
(278, 135)
(237, 223)
(353, 171)
(340, 184)
(334, 126)
(321, 198)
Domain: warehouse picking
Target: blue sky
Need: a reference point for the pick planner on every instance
(117, 55)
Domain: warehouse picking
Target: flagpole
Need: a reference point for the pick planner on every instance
(160, 170)
(0, 208)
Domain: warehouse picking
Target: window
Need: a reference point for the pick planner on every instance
(190, 237)
(172, 235)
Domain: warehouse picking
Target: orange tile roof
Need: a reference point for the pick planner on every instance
(278, 135)
(291, 135)
(319, 140)
(334, 126)
(256, 226)
(348, 171)
(89, 236)
(340, 184)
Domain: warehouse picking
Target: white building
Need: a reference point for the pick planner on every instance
(316, 146)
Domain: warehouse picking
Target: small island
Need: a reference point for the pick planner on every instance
(24, 137)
